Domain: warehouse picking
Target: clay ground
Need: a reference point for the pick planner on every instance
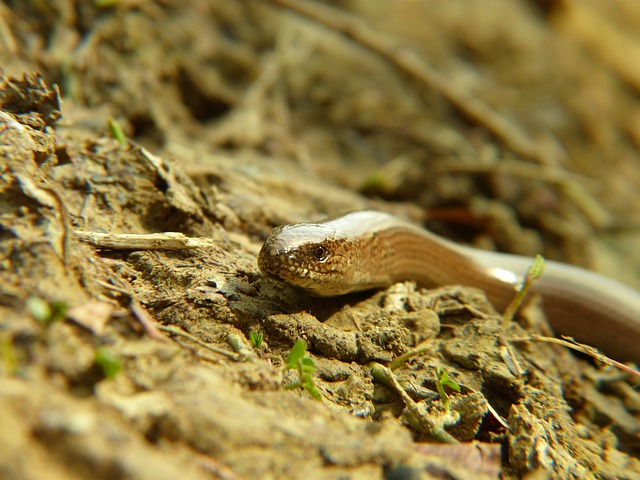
(508, 125)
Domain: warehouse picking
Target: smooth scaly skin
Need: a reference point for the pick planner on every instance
(371, 249)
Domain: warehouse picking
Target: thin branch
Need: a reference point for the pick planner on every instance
(175, 331)
(149, 241)
(579, 347)
(145, 320)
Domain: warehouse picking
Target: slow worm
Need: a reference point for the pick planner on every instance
(369, 249)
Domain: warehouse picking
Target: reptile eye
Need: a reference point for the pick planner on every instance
(321, 253)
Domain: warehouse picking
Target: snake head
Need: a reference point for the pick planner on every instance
(309, 256)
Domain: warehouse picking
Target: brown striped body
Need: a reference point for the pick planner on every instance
(369, 249)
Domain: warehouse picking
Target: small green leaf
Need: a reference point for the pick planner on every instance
(308, 365)
(116, 131)
(537, 269)
(305, 366)
(256, 339)
(45, 312)
(297, 354)
(533, 273)
(445, 381)
(375, 181)
(310, 387)
(38, 308)
(9, 356)
(105, 3)
(108, 362)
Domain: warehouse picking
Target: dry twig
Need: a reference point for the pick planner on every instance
(148, 241)
(579, 347)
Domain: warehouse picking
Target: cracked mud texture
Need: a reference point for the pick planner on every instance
(245, 115)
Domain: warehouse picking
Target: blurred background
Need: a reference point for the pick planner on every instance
(512, 125)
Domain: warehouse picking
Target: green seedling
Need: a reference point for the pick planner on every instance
(9, 356)
(116, 131)
(256, 339)
(105, 3)
(298, 360)
(46, 312)
(535, 271)
(416, 414)
(375, 181)
(399, 361)
(108, 362)
(445, 381)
